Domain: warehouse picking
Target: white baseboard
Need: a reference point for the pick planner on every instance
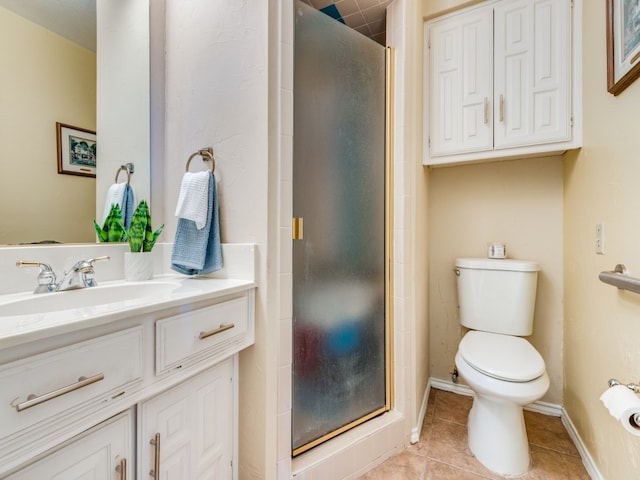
(587, 459)
(441, 385)
(448, 386)
(539, 407)
(545, 408)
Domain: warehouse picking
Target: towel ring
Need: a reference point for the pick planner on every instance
(206, 154)
(128, 168)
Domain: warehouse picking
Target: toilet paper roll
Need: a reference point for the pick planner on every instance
(623, 405)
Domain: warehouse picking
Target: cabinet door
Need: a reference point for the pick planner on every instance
(103, 453)
(532, 72)
(186, 433)
(461, 90)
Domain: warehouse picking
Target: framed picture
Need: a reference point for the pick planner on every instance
(623, 44)
(76, 150)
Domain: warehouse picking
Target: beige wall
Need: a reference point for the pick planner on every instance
(433, 8)
(46, 79)
(602, 324)
(518, 203)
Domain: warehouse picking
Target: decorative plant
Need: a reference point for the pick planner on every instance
(113, 229)
(141, 236)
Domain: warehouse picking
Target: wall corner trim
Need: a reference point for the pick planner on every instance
(417, 429)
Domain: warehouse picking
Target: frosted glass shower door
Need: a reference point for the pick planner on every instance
(339, 264)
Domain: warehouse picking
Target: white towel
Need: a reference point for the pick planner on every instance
(115, 195)
(193, 198)
(195, 251)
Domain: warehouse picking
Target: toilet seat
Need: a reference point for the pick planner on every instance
(503, 357)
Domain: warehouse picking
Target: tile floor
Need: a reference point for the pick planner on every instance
(442, 452)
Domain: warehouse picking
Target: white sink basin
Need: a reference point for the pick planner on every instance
(87, 297)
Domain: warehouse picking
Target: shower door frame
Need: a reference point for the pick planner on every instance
(388, 264)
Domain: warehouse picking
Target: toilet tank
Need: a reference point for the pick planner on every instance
(497, 295)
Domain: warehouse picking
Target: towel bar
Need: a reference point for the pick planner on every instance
(128, 168)
(620, 278)
(206, 154)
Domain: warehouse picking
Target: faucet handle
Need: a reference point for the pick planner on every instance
(86, 268)
(99, 259)
(47, 281)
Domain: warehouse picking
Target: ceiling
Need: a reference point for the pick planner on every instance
(72, 19)
(76, 19)
(365, 16)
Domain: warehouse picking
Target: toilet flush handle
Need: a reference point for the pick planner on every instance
(457, 271)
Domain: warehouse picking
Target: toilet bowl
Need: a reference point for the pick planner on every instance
(496, 300)
(505, 373)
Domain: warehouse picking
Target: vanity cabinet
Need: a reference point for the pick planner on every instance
(102, 453)
(152, 395)
(499, 82)
(185, 432)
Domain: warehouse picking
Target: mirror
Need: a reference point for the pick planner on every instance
(47, 78)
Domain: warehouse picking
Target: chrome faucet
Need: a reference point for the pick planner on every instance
(81, 275)
(47, 281)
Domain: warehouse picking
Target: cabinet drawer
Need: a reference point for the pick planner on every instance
(201, 334)
(56, 387)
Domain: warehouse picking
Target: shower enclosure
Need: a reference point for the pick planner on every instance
(339, 255)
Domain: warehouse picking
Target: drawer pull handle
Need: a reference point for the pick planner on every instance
(155, 441)
(33, 400)
(222, 328)
(121, 468)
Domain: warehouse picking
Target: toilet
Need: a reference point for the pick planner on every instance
(496, 300)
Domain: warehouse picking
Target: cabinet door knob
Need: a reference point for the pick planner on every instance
(501, 107)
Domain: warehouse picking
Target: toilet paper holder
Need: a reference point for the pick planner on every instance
(632, 423)
(631, 386)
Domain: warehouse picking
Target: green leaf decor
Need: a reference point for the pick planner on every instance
(113, 229)
(141, 236)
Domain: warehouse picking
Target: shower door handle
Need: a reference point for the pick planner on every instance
(297, 228)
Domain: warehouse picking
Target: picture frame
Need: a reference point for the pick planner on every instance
(623, 44)
(76, 150)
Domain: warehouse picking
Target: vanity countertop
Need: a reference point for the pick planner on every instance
(174, 290)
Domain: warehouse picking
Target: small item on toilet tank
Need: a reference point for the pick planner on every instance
(497, 250)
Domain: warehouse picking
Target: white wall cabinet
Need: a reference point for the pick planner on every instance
(152, 396)
(461, 81)
(499, 82)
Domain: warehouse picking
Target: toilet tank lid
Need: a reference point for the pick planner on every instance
(498, 264)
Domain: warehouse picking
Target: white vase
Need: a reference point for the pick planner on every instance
(138, 266)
